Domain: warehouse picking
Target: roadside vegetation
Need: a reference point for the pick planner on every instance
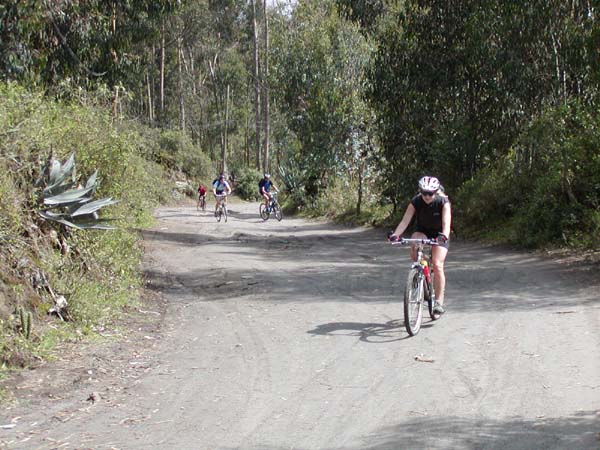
(95, 271)
(347, 103)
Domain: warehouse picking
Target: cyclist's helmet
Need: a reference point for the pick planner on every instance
(267, 175)
(221, 177)
(429, 184)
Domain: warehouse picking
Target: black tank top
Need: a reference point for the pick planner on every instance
(429, 217)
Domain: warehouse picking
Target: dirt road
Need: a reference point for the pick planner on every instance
(289, 335)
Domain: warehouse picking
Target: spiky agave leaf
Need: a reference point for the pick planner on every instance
(68, 205)
(92, 180)
(86, 224)
(58, 175)
(68, 197)
(54, 171)
(58, 172)
(91, 207)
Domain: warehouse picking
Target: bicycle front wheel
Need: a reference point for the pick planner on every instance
(218, 214)
(225, 212)
(413, 302)
(277, 211)
(264, 213)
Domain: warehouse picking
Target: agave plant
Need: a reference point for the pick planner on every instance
(68, 202)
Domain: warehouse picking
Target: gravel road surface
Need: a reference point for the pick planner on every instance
(289, 335)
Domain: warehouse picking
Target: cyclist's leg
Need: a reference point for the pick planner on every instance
(267, 198)
(438, 256)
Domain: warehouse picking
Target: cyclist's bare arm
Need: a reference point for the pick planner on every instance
(405, 222)
(446, 219)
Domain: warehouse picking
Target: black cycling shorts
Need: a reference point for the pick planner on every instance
(433, 234)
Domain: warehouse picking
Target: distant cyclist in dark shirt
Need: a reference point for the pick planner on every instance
(433, 213)
(264, 188)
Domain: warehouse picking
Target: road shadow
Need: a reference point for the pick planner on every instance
(356, 265)
(433, 432)
(372, 332)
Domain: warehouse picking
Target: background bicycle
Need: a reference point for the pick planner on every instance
(419, 285)
(221, 211)
(273, 208)
(201, 204)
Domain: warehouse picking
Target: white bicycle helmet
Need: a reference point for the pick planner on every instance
(429, 184)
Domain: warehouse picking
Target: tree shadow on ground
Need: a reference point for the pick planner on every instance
(357, 265)
(576, 432)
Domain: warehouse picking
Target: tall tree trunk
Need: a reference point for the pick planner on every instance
(162, 70)
(193, 73)
(247, 142)
(217, 96)
(265, 85)
(225, 137)
(181, 94)
(361, 168)
(150, 108)
(257, 108)
(116, 102)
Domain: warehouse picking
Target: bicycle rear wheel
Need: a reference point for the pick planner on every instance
(413, 302)
(277, 211)
(264, 213)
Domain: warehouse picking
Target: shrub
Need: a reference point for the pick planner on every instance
(96, 271)
(546, 191)
(247, 183)
(176, 151)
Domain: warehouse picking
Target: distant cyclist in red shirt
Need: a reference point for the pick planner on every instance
(201, 197)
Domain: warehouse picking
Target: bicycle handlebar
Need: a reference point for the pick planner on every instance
(403, 241)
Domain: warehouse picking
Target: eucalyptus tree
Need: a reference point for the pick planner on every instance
(319, 63)
(88, 43)
(456, 82)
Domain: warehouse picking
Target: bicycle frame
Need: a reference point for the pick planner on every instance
(221, 199)
(273, 201)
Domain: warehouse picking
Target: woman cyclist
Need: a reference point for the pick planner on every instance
(432, 210)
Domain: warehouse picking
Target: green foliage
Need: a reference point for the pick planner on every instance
(25, 321)
(294, 178)
(247, 183)
(177, 152)
(546, 191)
(319, 67)
(96, 272)
(454, 87)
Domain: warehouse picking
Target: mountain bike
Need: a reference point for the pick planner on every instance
(419, 285)
(265, 211)
(201, 205)
(221, 210)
